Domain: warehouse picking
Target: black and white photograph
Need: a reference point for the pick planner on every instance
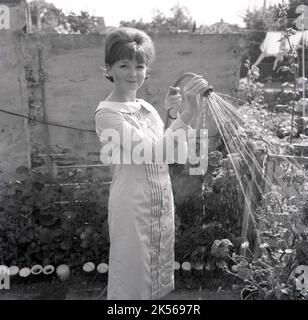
(153, 150)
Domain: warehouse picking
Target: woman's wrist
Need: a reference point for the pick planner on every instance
(186, 116)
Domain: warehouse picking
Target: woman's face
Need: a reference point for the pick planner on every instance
(128, 75)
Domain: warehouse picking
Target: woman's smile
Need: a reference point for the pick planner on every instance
(129, 74)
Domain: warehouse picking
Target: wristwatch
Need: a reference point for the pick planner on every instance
(172, 114)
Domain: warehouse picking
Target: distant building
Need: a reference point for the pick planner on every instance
(220, 27)
(15, 15)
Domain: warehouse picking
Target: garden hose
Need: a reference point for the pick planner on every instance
(171, 112)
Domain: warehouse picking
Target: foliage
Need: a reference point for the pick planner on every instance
(50, 16)
(146, 26)
(250, 89)
(257, 22)
(53, 20)
(180, 19)
(212, 213)
(259, 116)
(43, 221)
(282, 209)
(82, 23)
(262, 122)
(291, 6)
(159, 20)
(265, 278)
(271, 18)
(291, 57)
(281, 218)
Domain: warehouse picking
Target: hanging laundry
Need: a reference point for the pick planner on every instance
(274, 46)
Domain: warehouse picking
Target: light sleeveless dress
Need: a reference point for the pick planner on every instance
(140, 207)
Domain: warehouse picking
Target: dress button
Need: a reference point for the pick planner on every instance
(164, 228)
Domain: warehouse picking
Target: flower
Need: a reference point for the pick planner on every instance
(245, 245)
(234, 268)
(264, 245)
(227, 242)
(221, 248)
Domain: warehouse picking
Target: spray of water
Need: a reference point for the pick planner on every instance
(237, 135)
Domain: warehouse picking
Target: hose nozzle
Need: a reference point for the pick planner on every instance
(189, 75)
(173, 91)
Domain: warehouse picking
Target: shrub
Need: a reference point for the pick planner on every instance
(45, 221)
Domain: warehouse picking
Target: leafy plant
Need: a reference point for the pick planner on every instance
(43, 220)
(212, 213)
(249, 89)
(291, 56)
(282, 225)
(265, 278)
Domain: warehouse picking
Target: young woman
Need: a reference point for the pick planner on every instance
(140, 208)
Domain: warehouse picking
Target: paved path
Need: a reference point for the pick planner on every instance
(89, 290)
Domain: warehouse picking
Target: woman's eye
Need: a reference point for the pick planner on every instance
(123, 66)
(141, 67)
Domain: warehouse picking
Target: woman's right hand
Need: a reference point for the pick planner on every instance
(191, 92)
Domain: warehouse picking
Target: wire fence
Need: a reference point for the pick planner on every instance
(45, 122)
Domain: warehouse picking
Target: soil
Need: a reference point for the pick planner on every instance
(90, 289)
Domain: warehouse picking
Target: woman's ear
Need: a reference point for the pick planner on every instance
(107, 73)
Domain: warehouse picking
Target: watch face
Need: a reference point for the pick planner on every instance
(173, 113)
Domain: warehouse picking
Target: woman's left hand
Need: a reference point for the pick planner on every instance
(192, 91)
(173, 99)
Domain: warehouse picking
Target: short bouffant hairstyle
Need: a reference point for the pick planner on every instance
(128, 43)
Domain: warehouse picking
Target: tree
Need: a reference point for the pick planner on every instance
(181, 18)
(83, 23)
(159, 19)
(137, 24)
(291, 14)
(50, 19)
(258, 22)
(46, 16)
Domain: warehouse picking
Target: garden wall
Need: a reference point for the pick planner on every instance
(15, 134)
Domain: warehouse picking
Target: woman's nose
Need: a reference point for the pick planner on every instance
(132, 72)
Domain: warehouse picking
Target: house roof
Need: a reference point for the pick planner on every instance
(220, 27)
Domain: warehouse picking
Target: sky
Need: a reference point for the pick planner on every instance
(202, 11)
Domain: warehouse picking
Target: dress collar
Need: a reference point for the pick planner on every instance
(126, 107)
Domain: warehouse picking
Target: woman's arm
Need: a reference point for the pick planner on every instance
(192, 92)
(142, 145)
